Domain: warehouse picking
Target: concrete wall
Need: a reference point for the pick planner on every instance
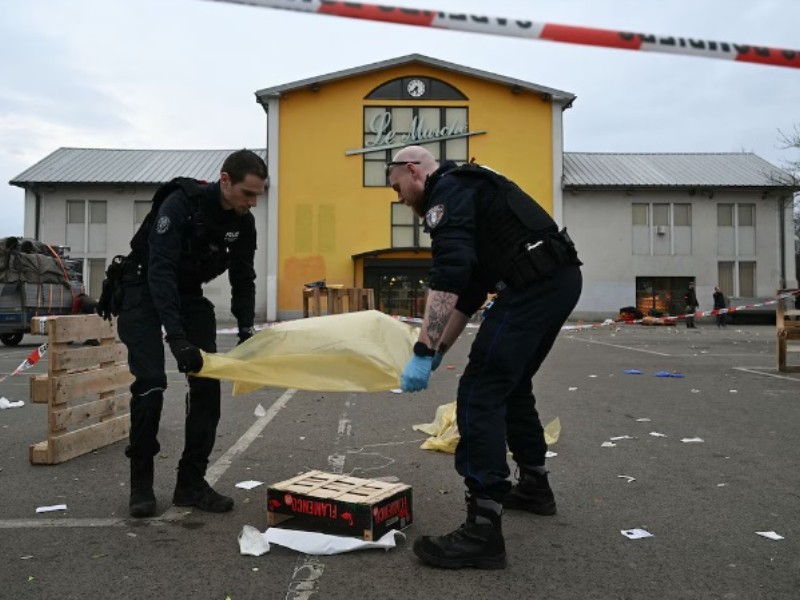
(600, 222)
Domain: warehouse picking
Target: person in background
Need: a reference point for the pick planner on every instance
(690, 299)
(719, 303)
(488, 236)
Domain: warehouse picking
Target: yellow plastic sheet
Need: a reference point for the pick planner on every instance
(363, 351)
(444, 430)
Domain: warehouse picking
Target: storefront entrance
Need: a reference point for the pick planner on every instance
(399, 285)
(661, 296)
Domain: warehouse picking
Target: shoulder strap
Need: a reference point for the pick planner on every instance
(478, 171)
(191, 189)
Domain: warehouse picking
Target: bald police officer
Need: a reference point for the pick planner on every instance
(488, 236)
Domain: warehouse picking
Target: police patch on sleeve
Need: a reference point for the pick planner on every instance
(434, 216)
(162, 225)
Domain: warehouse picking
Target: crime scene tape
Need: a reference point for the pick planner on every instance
(553, 32)
(668, 319)
(675, 318)
(32, 359)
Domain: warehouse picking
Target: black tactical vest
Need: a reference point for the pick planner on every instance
(507, 218)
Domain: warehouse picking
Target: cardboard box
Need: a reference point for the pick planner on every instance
(340, 505)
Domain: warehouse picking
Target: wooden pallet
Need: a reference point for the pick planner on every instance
(787, 323)
(85, 388)
(373, 506)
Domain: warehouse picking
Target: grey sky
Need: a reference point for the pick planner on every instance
(182, 73)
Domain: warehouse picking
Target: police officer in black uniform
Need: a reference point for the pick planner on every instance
(198, 233)
(488, 236)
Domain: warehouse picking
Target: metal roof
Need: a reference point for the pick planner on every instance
(556, 95)
(589, 169)
(581, 169)
(99, 165)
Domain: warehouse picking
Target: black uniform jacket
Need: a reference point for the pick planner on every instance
(454, 220)
(189, 247)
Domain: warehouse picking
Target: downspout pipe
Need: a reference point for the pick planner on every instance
(782, 200)
(37, 212)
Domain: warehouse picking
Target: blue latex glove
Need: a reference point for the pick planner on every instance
(437, 360)
(416, 374)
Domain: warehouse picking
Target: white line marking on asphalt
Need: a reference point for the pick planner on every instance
(44, 523)
(218, 469)
(308, 569)
(623, 347)
(755, 371)
(173, 513)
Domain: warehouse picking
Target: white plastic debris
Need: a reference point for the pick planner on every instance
(6, 403)
(260, 411)
(656, 434)
(770, 535)
(249, 485)
(635, 534)
(692, 440)
(52, 508)
(628, 477)
(608, 445)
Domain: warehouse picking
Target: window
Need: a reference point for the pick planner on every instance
(660, 214)
(724, 215)
(407, 229)
(394, 126)
(76, 212)
(640, 214)
(97, 272)
(86, 226)
(140, 210)
(97, 212)
(747, 279)
(736, 232)
(661, 229)
(682, 214)
(747, 215)
(725, 279)
(737, 278)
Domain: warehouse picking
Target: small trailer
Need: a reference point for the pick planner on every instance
(36, 280)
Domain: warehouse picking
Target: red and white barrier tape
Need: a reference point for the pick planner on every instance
(32, 359)
(700, 313)
(570, 34)
(607, 322)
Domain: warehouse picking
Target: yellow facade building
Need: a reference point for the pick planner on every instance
(330, 214)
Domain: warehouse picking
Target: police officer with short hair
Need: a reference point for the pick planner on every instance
(488, 236)
(198, 233)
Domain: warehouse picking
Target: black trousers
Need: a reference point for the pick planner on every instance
(495, 405)
(140, 329)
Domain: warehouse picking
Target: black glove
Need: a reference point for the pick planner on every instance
(245, 333)
(110, 302)
(187, 354)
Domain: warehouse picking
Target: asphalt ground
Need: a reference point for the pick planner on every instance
(701, 501)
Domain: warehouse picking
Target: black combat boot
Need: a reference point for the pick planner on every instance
(477, 543)
(143, 502)
(193, 490)
(532, 492)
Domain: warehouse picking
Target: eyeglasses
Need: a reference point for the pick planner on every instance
(396, 163)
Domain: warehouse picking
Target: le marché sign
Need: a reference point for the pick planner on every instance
(386, 138)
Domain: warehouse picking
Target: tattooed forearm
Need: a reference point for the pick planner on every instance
(437, 313)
